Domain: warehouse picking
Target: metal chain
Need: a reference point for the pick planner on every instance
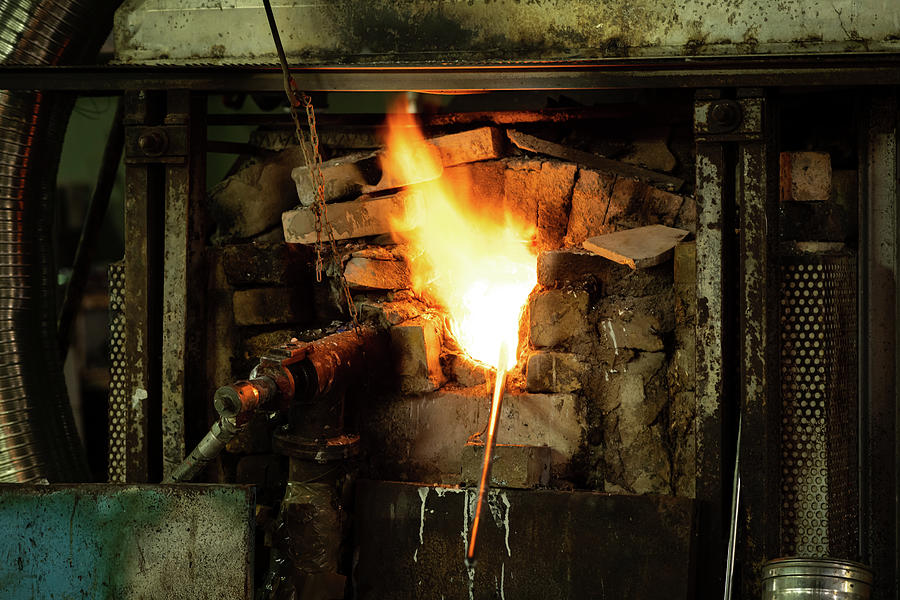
(309, 144)
(313, 159)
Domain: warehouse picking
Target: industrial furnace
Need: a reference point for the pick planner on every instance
(609, 285)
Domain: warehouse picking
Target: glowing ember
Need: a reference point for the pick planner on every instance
(480, 269)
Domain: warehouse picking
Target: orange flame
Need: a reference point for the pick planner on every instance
(478, 269)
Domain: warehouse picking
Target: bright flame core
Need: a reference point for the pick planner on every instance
(478, 269)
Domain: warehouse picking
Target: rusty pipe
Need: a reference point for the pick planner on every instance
(298, 377)
(244, 396)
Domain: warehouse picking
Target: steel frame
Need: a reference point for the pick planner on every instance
(164, 277)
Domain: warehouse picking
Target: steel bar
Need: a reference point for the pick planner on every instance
(713, 359)
(183, 276)
(686, 72)
(878, 387)
(489, 442)
(757, 185)
(90, 231)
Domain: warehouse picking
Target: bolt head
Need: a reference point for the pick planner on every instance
(152, 143)
(724, 114)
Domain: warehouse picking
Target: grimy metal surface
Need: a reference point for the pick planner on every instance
(385, 31)
(175, 293)
(410, 542)
(711, 196)
(183, 279)
(878, 307)
(756, 194)
(684, 72)
(107, 542)
(139, 351)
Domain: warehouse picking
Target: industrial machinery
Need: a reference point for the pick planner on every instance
(678, 220)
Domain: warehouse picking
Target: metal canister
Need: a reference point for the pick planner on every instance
(814, 579)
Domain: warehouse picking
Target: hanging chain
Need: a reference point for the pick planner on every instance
(309, 145)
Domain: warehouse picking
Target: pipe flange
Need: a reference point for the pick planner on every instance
(326, 450)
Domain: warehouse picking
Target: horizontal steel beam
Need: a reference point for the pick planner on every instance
(691, 72)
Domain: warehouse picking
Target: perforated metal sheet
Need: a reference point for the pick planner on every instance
(819, 406)
(118, 406)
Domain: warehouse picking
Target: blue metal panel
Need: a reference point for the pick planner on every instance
(120, 542)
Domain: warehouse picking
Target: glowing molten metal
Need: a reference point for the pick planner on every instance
(478, 268)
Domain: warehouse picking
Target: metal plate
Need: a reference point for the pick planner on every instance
(370, 31)
(411, 543)
(98, 541)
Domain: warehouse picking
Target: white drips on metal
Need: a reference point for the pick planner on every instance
(470, 569)
(506, 523)
(423, 494)
(503, 576)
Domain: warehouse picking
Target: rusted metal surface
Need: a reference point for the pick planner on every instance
(139, 354)
(183, 275)
(105, 542)
(312, 379)
(873, 69)
(363, 31)
(176, 290)
(711, 177)
(878, 341)
(410, 542)
(727, 120)
(758, 304)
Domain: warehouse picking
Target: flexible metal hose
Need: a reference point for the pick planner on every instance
(38, 439)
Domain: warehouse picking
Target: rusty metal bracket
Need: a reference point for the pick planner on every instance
(156, 144)
(727, 120)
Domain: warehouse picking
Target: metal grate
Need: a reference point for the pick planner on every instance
(118, 405)
(819, 406)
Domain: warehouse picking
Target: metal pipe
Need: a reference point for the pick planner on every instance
(38, 439)
(244, 396)
(212, 444)
(489, 442)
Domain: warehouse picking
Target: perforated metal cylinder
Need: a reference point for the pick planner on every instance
(118, 403)
(820, 492)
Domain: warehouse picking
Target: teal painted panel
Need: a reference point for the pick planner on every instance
(98, 541)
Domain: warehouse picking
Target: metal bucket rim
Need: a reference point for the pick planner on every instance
(793, 566)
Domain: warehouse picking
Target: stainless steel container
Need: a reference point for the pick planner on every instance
(814, 579)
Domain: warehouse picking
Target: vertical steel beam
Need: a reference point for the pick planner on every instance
(736, 326)
(878, 342)
(711, 196)
(138, 291)
(758, 309)
(183, 278)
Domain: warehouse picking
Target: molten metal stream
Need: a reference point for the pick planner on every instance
(499, 389)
